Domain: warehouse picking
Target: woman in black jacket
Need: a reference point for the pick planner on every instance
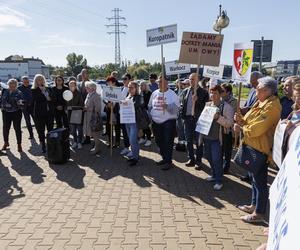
(43, 107)
(60, 114)
(146, 93)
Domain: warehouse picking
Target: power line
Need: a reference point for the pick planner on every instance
(116, 18)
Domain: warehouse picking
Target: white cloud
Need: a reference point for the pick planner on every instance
(10, 18)
(58, 41)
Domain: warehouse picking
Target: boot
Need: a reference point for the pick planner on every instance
(20, 148)
(5, 146)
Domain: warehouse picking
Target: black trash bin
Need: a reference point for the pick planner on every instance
(58, 150)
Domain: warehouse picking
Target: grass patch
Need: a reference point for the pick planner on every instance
(244, 94)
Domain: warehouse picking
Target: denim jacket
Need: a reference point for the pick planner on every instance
(10, 101)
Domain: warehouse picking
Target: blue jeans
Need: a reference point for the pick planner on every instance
(164, 134)
(132, 132)
(213, 152)
(260, 192)
(76, 132)
(180, 129)
(192, 137)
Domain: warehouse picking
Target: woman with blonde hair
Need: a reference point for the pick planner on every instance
(43, 108)
(11, 101)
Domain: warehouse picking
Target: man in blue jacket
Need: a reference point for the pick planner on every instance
(25, 88)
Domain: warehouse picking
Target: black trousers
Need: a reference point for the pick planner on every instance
(41, 123)
(147, 133)
(28, 113)
(227, 149)
(164, 134)
(61, 119)
(9, 118)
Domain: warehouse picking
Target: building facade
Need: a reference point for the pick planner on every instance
(18, 66)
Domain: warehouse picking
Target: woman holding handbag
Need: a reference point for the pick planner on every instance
(258, 127)
(75, 114)
(92, 119)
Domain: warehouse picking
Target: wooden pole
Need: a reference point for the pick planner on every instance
(163, 73)
(111, 128)
(238, 110)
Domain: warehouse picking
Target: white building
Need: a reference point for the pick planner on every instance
(18, 66)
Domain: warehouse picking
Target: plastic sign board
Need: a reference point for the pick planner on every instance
(112, 94)
(242, 62)
(161, 35)
(201, 48)
(175, 68)
(213, 72)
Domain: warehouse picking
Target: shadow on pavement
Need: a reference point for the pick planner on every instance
(9, 187)
(26, 167)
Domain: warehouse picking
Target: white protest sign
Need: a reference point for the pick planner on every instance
(112, 94)
(206, 119)
(284, 201)
(242, 62)
(127, 112)
(213, 72)
(277, 145)
(175, 68)
(161, 35)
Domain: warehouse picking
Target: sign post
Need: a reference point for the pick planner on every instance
(112, 94)
(200, 49)
(175, 68)
(160, 36)
(241, 70)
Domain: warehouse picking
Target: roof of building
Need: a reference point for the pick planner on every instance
(20, 59)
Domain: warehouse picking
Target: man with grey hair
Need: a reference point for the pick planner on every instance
(255, 75)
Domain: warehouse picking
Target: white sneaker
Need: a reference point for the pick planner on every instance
(148, 143)
(74, 145)
(129, 155)
(142, 141)
(79, 146)
(125, 151)
(210, 178)
(218, 187)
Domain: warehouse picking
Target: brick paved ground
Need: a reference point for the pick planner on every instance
(100, 203)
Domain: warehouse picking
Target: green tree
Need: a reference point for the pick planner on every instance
(75, 63)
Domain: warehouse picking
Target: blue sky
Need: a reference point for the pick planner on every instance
(52, 29)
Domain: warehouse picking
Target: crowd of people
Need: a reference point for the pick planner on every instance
(164, 114)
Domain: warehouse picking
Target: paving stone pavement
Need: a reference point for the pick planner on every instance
(98, 202)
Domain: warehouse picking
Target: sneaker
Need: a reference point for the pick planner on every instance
(148, 143)
(190, 164)
(218, 187)
(210, 179)
(142, 141)
(125, 151)
(79, 146)
(74, 145)
(160, 163)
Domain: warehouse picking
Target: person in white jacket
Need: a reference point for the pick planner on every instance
(163, 108)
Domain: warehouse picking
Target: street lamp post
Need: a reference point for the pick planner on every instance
(222, 20)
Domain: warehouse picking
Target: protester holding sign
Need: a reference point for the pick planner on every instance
(287, 100)
(133, 128)
(115, 119)
(75, 115)
(163, 107)
(223, 119)
(227, 146)
(92, 119)
(258, 127)
(293, 120)
(199, 96)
